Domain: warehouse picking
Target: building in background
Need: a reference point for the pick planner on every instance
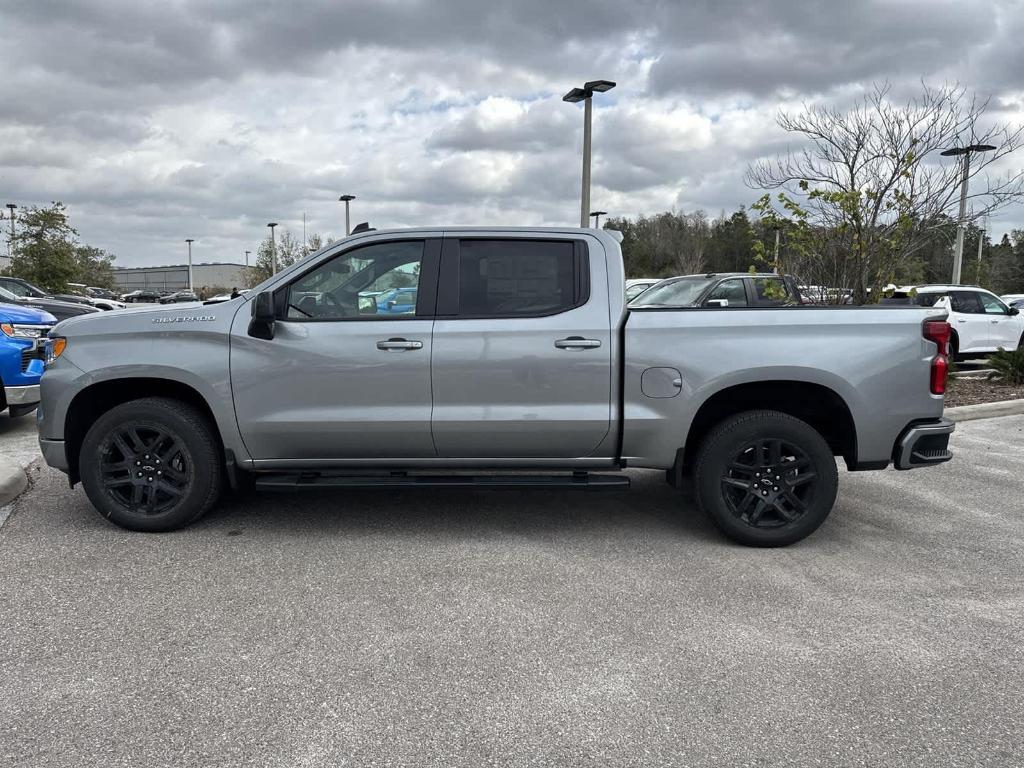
(175, 278)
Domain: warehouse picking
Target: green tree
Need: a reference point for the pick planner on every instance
(44, 248)
(93, 266)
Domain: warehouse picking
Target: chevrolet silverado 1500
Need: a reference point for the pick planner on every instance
(519, 365)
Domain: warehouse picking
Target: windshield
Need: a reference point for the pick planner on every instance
(23, 289)
(678, 293)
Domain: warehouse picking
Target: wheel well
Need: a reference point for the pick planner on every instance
(93, 401)
(818, 405)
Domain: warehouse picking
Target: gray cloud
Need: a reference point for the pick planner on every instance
(157, 121)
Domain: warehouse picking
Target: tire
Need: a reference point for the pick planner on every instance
(151, 465)
(788, 490)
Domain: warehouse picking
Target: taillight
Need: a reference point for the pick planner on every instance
(939, 331)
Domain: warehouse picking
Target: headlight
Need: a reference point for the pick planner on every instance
(55, 347)
(23, 331)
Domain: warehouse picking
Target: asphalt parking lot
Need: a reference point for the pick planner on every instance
(523, 628)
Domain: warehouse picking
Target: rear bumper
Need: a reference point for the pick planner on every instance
(923, 445)
(26, 395)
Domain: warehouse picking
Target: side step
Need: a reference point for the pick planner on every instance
(577, 480)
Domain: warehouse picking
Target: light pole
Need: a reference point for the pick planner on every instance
(584, 94)
(247, 259)
(189, 240)
(273, 249)
(597, 218)
(346, 199)
(981, 242)
(10, 243)
(958, 254)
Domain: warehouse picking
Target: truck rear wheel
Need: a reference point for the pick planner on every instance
(765, 478)
(151, 465)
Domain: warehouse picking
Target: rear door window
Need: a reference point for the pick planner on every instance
(771, 292)
(965, 302)
(519, 277)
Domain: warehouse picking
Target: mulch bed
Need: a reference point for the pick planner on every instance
(974, 391)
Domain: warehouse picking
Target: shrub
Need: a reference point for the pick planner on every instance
(1008, 367)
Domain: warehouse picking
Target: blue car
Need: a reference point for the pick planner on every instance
(22, 354)
(397, 301)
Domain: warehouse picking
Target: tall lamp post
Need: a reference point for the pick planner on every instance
(346, 199)
(273, 248)
(584, 94)
(10, 243)
(597, 218)
(189, 240)
(958, 253)
(247, 259)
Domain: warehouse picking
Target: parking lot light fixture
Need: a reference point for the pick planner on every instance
(574, 96)
(958, 253)
(189, 240)
(346, 199)
(597, 217)
(273, 248)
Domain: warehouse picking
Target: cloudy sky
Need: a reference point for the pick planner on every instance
(156, 121)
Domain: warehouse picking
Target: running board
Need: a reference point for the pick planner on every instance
(577, 480)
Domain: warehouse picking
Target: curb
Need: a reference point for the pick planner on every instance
(13, 481)
(985, 410)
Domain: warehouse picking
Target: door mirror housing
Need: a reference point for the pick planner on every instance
(1014, 310)
(263, 316)
(367, 305)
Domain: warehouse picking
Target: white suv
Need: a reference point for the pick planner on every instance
(982, 322)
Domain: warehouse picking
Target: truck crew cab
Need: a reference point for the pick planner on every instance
(519, 354)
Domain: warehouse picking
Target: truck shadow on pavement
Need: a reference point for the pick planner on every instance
(650, 506)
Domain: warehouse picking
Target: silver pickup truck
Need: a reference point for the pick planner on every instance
(488, 358)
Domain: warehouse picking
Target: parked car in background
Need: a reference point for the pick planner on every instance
(23, 332)
(521, 357)
(731, 289)
(981, 321)
(1018, 303)
(142, 296)
(396, 301)
(20, 291)
(177, 297)
(637, 285)
(90, 295)
(61, 310)
(227, 296)
(1012, 298)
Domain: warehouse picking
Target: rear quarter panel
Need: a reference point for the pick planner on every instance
(875, 359)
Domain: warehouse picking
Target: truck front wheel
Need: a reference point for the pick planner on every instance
(151, 465)
(765, 478)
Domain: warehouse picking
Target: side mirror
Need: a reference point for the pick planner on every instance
(1014, 311)
(716, 303)
(262, 324)
(367, 305)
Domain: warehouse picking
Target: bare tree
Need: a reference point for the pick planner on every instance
(871, 182)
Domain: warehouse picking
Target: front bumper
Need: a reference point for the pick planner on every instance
(26, 395)
(54, 454)
(923, 445)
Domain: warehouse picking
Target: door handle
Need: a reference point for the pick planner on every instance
(994, 322)
(399, 345)
(577, 342)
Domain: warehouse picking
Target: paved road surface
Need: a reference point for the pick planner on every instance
(527, 628)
